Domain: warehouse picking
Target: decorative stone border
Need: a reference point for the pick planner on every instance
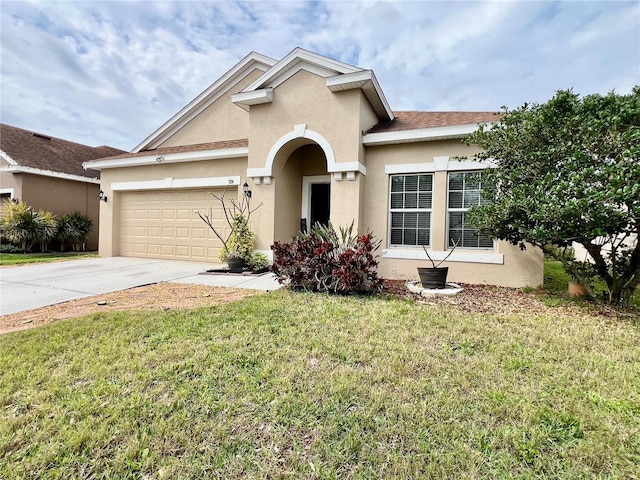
(451, 289)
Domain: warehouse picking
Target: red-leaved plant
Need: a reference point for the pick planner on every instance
(322, 260)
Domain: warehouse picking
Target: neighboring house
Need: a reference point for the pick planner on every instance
(46, 173)
(314, 138)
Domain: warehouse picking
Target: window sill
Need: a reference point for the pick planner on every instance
(467, 256)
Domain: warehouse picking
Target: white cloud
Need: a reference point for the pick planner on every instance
(112, 72)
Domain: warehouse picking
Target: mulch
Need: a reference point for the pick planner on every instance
(489, 299)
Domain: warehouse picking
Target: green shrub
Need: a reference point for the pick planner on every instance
(259, 261)
(24, 227)
(73, 230)
(9, 248)
(240, 242)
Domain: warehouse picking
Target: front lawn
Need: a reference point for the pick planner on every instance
(300, 385)
(23, 258)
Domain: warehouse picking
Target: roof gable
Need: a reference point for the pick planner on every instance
(30, 151)
(250, 63)
(339, 76)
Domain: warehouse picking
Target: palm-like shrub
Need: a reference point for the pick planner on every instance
(25, 227)
(73, 230)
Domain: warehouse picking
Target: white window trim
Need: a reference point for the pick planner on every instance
(7, 191)
(410, 210)
(458, 255)
(307, 181)
(171, 183)
(463, 210)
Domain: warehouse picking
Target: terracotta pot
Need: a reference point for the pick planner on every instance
(577, 290)
(433, 277)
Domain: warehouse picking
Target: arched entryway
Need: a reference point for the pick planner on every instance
(302, 188)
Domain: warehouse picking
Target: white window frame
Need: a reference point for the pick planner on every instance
(409, 210)
(462, 210)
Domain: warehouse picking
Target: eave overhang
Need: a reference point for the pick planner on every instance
(256, 97)
(366, 80)
(419, 135)
(158, 157)
(49, 173)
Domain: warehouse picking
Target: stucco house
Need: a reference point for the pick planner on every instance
(46, 173)
(314, 139)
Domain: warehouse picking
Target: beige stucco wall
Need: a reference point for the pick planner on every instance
(222, 120)
(109, 211)
(11, 180)
(338, 117)
(518, 269)
(60, 196)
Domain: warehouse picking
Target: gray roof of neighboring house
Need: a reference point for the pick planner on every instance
(43, 152)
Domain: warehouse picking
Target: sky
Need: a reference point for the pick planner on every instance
(110, 73)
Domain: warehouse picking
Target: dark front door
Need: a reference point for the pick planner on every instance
(320, 201)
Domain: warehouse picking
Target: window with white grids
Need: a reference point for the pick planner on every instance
(410, 204)
(464, 192)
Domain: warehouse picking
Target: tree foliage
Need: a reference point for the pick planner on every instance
(568, 171)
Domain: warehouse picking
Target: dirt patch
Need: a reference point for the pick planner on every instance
(157, 297)
(166, 296)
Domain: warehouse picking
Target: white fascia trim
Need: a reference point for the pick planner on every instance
(219, 88)
(366, 80)
(419, 135)
(173, 183)
(297, 55)
(168, 158)
(452, 165)
(456, 256)
(8, 158)
(264, 95)
(49, 173)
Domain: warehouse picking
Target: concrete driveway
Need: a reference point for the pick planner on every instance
(38, 285)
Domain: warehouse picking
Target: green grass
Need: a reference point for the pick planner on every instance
(23, 258)
(304, 386)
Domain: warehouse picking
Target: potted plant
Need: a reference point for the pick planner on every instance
(582, 275)
(435, 276)
(237, 244)
(238, 248)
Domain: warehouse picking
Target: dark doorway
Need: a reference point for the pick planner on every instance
(320, 201)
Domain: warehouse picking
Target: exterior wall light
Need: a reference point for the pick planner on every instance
(102, 196)
(245, 189)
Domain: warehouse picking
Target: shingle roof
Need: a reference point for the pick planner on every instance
(413, 120)
(243, 142)
(35, 150)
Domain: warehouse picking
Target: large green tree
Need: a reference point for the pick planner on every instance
(568, 171)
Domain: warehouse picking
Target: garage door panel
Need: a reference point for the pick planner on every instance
(166, 224)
